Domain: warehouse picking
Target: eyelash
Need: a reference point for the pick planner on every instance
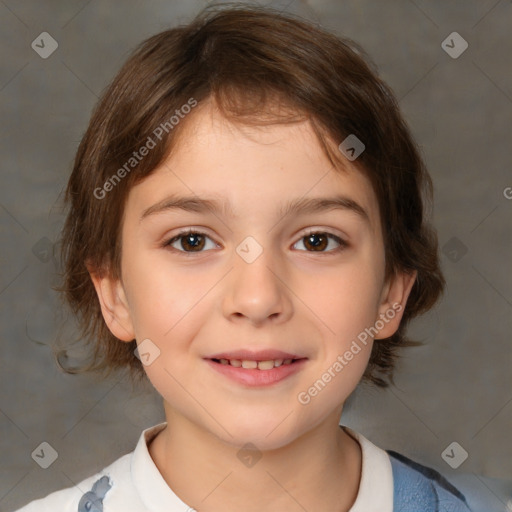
(342, 244)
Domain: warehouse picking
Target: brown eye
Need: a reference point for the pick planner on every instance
(316, 242)
(193, 242)
(319, 241)
(189, 242)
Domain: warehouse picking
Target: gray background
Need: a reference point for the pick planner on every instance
(458, 387)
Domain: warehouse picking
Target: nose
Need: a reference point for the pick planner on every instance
(257, 291)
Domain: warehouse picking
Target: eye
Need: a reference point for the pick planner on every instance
(190, 241)
(318, 241)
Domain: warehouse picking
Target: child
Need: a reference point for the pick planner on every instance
(246, 229)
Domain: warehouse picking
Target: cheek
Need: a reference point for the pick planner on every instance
(351, 302)
(348, 310)
(162, 296)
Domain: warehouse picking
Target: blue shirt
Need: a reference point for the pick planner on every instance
(417, 488)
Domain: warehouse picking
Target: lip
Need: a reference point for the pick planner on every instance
(260, 355)
(255, 377)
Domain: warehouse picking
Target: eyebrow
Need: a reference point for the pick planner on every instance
(307, 205)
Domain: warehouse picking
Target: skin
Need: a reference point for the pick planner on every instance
(291, 298)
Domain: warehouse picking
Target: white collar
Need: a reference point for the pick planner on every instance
(376, 484)
(150, 484)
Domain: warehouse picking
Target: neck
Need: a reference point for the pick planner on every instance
(319, 470)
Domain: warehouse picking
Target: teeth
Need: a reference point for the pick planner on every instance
(261, 365)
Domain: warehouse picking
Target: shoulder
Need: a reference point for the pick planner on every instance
(88, 495)
(420, 486)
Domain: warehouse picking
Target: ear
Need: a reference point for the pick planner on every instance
(393, 301)
(114, 305)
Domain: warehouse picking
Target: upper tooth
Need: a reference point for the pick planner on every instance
(287, 361)
(235, 362)
(278, 362)
(266, 365)
(249, 364)
(224, 361)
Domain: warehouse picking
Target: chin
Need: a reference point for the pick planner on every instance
(267, 434)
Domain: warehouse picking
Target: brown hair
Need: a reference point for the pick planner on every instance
(247, 60)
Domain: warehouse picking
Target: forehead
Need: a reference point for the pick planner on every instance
(247, 169)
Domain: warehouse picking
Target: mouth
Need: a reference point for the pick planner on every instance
(262, 368)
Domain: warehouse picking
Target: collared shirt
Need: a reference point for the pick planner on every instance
(133, 483)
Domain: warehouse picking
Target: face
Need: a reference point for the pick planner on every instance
(243, 280)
